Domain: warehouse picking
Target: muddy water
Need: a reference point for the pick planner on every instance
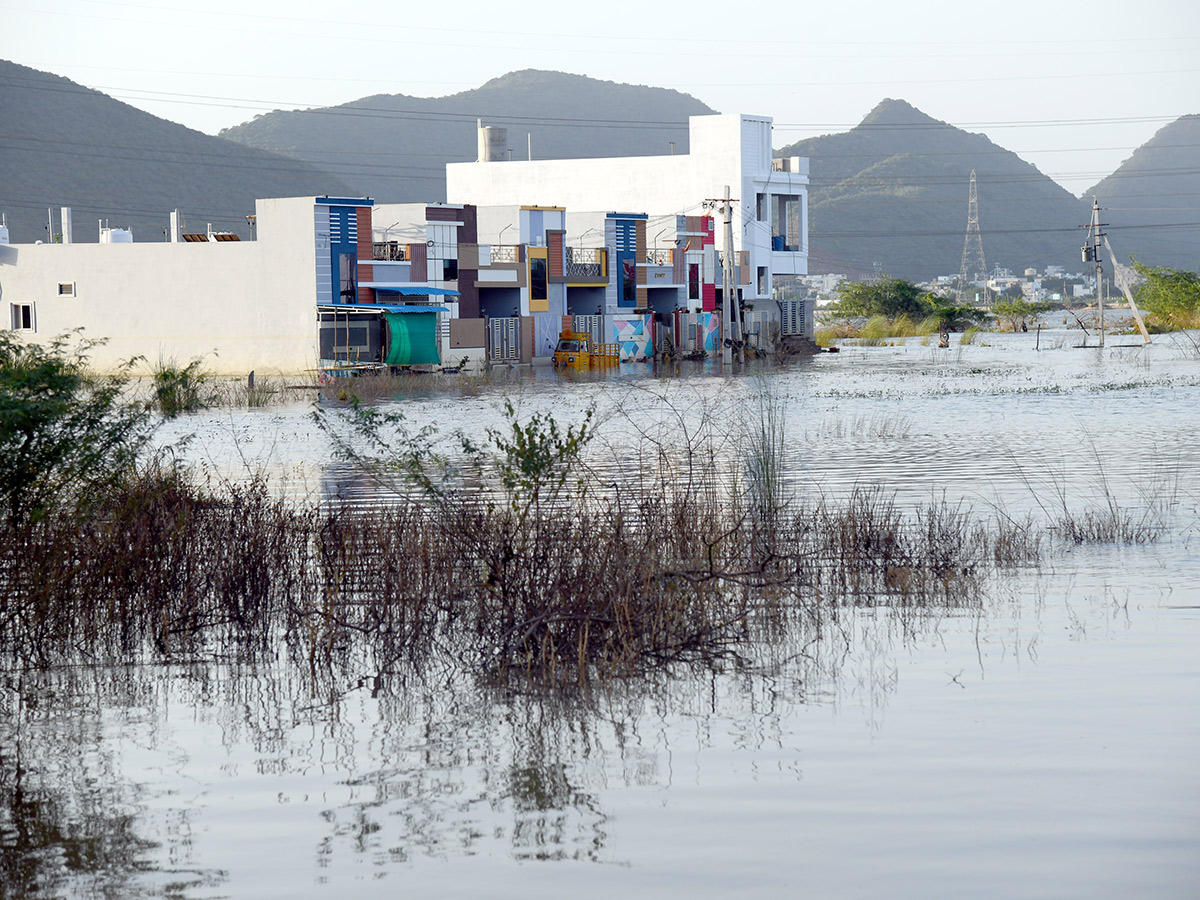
(1043, 744)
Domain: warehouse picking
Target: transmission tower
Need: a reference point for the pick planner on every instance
(973, 265)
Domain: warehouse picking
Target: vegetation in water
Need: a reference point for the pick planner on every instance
(1017, 313)
(1170, 298)
(890, 298)
(66, 436)
(946, 316)
(177, 390)
(507, 558)
(894, 308)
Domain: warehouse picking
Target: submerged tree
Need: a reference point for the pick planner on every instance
(887, 297)
(946, 316)
(1171, 296)
(1018, 312)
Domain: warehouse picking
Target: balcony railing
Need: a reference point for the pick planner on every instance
(389, 251)
(504, 253)
(659, 257)
(585, 264)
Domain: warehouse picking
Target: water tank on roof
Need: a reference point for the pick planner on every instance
(493, 143)
(116, 236)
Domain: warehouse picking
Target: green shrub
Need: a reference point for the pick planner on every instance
(64, 433)
(1170, 296)
(179, 390)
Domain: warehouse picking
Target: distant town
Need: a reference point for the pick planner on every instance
(1053, 285)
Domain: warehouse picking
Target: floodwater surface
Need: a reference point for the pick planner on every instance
(1041, 743)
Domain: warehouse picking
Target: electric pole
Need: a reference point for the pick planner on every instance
(1091, 253)
(725, 205)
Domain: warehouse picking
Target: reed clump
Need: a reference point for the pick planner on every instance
(1109, 524)
(177, 389)
(593, 587)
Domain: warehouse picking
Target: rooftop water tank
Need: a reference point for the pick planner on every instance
(116, 236)
(493, 143)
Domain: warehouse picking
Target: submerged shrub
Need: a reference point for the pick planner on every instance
(1170, 296)
(1108, 525)
(64, 433)
(180, 390)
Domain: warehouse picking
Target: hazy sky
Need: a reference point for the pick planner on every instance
(1071, 87)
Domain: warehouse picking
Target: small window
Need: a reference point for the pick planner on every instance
(762, 279)
(22, 316)
(449, 269)
(760, 207)
(348, 278)
(693, 281)
(66, 289)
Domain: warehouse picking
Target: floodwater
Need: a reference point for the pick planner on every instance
(1041, 745)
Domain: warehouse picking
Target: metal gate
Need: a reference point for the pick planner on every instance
(756, 328)
(685, 332)
(504, 339)
(593, 325)
(546, 329)
(792, 313)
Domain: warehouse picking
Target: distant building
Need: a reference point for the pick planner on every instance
(770, 234)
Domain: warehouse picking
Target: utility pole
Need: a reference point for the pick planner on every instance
(725, 205)
(1091, 253)
(733, 314)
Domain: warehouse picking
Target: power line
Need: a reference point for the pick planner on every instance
(554, 121)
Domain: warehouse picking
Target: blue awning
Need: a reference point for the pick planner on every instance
(349, 308)
(409, 290)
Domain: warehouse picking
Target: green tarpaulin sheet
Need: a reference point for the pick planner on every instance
(411, 339)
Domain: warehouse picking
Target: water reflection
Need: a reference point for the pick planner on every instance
(73, 818)
(150, 781)
(383, 772)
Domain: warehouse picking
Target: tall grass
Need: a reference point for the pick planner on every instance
(1103, 517)
(765, 459)
(876, 330)
(180, 389)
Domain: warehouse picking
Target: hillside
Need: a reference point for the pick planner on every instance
(66, 145)
(394, 147)
(1151, 201)
(891, 195)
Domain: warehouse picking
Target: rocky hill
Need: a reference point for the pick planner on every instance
(891, 195)
(1152, 201)
(394, 147)
(66, 145)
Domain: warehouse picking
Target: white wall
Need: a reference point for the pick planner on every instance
(491, 220)
(400, 222)
(240, 306)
